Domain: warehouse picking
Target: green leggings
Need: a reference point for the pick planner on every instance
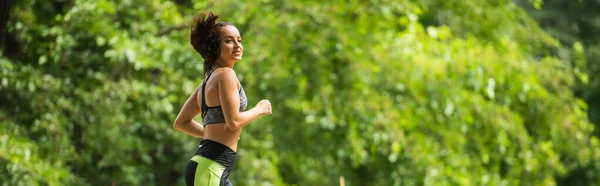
(202, 171)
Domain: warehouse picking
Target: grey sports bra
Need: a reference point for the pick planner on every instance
(212, 115)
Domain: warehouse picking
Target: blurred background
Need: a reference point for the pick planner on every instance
(364, 92)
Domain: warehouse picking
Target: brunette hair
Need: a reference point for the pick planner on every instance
(205, 38)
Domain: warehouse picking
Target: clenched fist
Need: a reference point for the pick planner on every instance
(264, 107)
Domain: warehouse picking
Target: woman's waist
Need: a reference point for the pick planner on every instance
(217, 152)
(221, 134)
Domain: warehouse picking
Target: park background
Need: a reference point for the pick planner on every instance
(364, 92)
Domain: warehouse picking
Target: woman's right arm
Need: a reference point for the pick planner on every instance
(185, 119)
(230, 102)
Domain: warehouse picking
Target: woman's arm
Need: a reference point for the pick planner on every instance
(230, 102)
(185, 119)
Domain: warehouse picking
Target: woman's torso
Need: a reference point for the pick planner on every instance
(217, 131)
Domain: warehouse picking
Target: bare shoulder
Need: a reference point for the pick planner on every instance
(224, 71)
(225, 74)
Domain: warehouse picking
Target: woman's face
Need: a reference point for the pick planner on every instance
(231, 44)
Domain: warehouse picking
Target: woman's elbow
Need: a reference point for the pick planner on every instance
(177, 124)
(232, 126)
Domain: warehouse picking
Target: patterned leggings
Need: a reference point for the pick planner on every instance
(201, 171)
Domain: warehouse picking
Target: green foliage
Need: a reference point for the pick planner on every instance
(575, 24)
(377, 93)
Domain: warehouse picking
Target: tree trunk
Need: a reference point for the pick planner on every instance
(5, 6)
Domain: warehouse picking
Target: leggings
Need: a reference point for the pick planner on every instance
(210, 166)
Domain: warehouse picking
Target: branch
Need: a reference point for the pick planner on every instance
(170, 29)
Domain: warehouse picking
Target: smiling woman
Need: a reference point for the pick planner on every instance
(220, 44)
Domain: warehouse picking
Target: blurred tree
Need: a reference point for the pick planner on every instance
(378, 92)
(5, 6)
(576, 24)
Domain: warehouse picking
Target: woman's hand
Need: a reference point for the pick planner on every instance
(264, 107)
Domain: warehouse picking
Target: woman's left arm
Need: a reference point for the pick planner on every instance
(185, 119)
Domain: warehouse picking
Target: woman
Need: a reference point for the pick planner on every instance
(221, 101)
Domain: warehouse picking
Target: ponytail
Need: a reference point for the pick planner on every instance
(205, 39)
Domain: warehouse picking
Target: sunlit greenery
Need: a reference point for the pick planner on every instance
(374, 92)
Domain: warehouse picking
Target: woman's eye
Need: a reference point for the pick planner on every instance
(239, 41)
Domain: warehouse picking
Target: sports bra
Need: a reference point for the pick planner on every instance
(212, 115)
